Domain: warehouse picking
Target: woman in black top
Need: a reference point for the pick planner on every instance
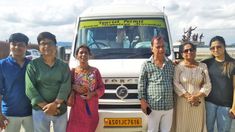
(220, 104)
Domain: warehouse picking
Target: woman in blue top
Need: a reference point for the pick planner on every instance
(220, 104)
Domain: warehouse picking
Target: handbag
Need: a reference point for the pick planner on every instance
(71, 98)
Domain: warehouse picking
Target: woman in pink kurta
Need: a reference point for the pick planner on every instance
(88, 87)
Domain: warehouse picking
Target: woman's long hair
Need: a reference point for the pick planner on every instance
(229, 62)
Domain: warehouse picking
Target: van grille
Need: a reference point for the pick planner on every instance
(114, 86)
(111, 101)
(119, 106)
(114, 96)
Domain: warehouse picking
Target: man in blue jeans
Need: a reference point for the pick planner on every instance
(15, 106)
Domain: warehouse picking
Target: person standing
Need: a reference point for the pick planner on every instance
(192, 84)
(88, 87)
(220, 103)
(155, 88)
(16, 110)
(48, 83)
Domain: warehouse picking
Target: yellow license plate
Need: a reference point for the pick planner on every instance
(122, 122)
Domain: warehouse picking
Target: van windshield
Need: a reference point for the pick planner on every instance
(121, 38)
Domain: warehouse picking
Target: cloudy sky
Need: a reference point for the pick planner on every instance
(211, 17)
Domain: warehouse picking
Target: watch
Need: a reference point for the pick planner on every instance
(57, 104)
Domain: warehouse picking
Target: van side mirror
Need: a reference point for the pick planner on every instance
(60, 53)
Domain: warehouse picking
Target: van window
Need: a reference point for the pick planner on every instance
(121, 38)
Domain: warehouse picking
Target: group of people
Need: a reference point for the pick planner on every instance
(204, 91)
(34, 93)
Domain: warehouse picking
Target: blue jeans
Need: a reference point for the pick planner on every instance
(220, 114)
(42, 122)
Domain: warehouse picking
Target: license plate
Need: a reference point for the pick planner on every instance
(122, 122)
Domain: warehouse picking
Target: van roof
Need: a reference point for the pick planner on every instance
(121, 10)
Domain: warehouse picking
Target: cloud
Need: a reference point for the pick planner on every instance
(212, 18)
(11, 17)
(32, 17)
(173, 7)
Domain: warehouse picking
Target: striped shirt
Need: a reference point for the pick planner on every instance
(156, 84)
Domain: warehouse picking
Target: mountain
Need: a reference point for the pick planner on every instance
(232, 44)
(64, 44)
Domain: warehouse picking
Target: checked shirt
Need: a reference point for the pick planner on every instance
(156, 84)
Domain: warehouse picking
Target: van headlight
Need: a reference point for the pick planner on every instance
(122, 92)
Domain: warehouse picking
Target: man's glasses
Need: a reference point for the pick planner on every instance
(188, 50)
(47, 43)
(215, 47)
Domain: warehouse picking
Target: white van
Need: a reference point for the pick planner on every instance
(119, 37)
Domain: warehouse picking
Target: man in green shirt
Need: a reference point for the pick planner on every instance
(48, 83)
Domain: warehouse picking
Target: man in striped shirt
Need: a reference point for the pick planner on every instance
(155, 88)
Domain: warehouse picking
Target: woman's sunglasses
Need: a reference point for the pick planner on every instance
(215, 47)
(187, 50)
